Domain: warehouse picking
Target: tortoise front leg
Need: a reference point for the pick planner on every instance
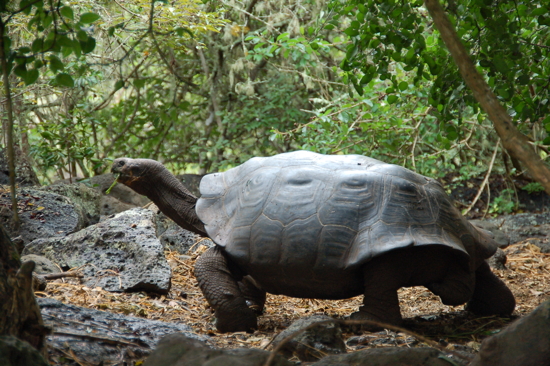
(221, 290)
(254, 295)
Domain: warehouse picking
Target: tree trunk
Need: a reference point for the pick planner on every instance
(19, 312)
(9, 127)
(513, 141)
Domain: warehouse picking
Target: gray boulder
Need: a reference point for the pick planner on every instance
(180, 350)
(109, 205)
(172, 236)
(524, 226)
(390, 356)
(178, 239)
(24, 174)
(85, 199)
(312, 343)
(116, 339)
(15, 352)
(42, 214)
(42, 264)
(525, 342)
(119, 254)
(500, 236)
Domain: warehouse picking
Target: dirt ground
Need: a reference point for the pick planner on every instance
(527, 274)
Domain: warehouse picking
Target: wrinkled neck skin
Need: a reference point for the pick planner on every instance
(174, 200)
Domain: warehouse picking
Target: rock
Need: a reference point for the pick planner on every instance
(99, 337)
(119, 254)
(191, 182)
(42, 214)
(24, 174)
(524, 226)
(178, 239)
(119, 191)
(525, 342)
(15, 352)
(498, 260)
(109, 205)
(85, 199)
(390, 356)
(313, 343)
(102, 182)
(174, 237)
(499, 235)
(180, 350)
(42, 264)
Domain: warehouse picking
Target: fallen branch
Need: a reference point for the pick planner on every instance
(55, 276)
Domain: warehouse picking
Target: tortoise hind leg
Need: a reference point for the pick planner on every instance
(491, 295)
(221, 290)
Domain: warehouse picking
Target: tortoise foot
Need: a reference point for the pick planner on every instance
(491, 295)
(371, 322)
(242, 321)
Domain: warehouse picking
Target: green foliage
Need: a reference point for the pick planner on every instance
(56, 33)
(533, 187)
(505, 203)
(507, 40)
(73, 62)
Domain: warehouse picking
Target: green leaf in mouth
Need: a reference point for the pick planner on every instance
(112, 185)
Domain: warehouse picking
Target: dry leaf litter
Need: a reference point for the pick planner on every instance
(527, 274)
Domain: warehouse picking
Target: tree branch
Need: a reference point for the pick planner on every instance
(512, 140)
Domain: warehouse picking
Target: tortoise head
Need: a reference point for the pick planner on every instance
(138, 174)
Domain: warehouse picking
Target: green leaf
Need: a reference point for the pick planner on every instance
(392, 99)
(47, 21)
(56, 64)
(501, 65)
(67, 12)
(88, 18)
(64, 79)
(351, 32)
(88, 46)
(403, 86)
(37, 45)
(523, 79)
(181, 31)
(139, 83)
(82, 36)
(21, 70)
(31, 77)
(539, 11)
(119, 84)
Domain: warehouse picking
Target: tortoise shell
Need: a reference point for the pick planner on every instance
(338, 211)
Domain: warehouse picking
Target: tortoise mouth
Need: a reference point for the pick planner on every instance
(126, 178)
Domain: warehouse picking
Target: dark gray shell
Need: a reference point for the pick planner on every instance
(308, 209)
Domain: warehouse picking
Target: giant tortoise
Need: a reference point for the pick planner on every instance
(318, 226)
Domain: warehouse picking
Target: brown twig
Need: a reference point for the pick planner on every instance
(55, 276)
(485, 180)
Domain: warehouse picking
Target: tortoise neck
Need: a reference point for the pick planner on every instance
(175, 201)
